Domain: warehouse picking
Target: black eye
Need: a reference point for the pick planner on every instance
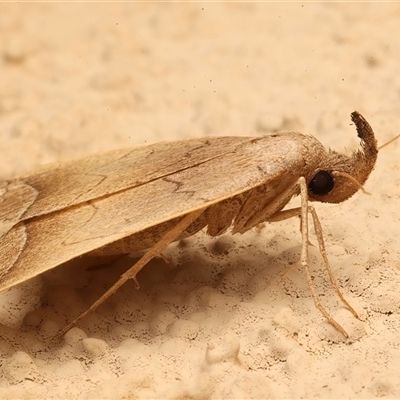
(322, 183)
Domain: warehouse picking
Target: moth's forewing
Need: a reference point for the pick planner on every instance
(70, 183)
(86, 204)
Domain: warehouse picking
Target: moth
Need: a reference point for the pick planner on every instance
(145, 198)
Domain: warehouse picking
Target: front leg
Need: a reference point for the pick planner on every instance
(303, 213)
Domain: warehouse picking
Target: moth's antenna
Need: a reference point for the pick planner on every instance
(389, 142)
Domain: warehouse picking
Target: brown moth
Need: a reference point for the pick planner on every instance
(147, 197)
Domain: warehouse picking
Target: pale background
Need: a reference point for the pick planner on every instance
(220, 321)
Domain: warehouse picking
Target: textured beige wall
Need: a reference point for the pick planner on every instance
(77, 78)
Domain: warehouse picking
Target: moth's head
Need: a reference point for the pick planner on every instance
(340, 176)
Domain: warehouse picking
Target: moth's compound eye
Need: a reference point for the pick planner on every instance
(322, 183)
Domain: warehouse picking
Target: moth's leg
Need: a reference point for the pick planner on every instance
(165, 259)
(281, 215)
(321, 244)
(304, 255)
(168, 238)
(285, 214)
(303, 212)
